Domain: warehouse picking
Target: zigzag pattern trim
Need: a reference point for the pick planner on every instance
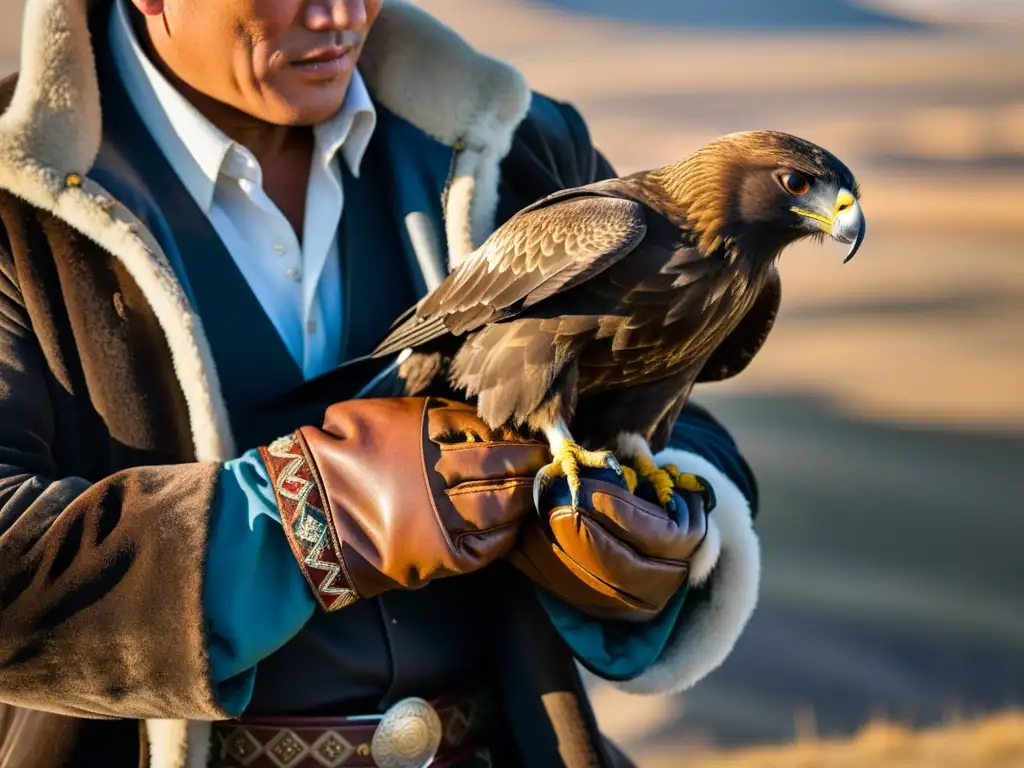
(306, 524)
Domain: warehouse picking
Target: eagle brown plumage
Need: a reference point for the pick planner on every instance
(590, 315)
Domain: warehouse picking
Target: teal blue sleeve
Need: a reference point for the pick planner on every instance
(614, 650)
(255, 596)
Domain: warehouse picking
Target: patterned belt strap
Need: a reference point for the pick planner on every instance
(413, 733)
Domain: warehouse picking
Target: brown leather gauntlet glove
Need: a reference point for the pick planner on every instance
(616, 556)
(393, 493)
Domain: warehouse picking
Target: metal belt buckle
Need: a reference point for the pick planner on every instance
(407, 736)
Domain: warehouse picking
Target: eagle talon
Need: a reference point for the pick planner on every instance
(567, 461)
(693, 484)
(549, 474)
(661, 480)
(544, 477)
(630, 476)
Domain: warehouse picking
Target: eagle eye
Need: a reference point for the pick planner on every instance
(794, 183)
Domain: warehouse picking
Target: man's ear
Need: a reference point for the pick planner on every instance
(149, 7)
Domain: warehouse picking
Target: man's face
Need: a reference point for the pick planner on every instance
(286, 62)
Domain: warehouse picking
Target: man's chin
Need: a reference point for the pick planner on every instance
(306, 105)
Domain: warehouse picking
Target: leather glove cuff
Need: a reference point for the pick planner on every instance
(393, 493)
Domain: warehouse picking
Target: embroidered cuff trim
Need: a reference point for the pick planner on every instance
(300, 499)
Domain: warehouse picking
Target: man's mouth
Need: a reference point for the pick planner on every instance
(326, 61)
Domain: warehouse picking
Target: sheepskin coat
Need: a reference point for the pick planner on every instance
(113, 427)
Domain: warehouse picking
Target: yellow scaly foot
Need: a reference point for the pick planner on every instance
(630, 476)
(660, 479)
(692, 483)
(567, 461)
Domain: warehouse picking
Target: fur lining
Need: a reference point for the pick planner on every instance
(730, 560)
(706, 558)
(179, 743)
(417, 67)
(53, 129)
(53, 121)
(200, 738)
(426, 74)
(92, 211)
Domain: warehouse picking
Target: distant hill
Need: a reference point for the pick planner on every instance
(782, 15)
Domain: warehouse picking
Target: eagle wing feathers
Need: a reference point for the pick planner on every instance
(536, 254)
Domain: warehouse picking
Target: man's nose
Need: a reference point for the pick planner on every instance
(324, 15)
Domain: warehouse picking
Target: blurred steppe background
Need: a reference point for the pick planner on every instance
(885, 417)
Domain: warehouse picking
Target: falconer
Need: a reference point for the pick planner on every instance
(204, 206)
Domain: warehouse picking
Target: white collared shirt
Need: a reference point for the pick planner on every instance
(298, 285)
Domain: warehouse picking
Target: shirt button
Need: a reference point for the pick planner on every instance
(294, 274)
(279, 249)
(311, 326)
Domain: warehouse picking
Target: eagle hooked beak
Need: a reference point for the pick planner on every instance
(848, 225)
(845, 223)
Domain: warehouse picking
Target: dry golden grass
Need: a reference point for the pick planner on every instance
(993, 742)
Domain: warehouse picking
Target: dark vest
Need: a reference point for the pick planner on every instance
(253, 364)
(376, 651)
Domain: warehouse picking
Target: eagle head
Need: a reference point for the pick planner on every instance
(769, 188)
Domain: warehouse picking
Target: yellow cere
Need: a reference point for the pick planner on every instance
(844, 200)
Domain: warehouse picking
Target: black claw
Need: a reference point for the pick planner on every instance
(708, 494)
(540, 482)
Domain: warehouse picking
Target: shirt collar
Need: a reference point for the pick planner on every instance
(199, 151)
(351, 127)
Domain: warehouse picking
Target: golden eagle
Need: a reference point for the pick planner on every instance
(590, 315)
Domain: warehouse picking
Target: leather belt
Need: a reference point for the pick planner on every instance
(413, 733)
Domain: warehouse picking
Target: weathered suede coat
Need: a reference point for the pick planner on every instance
(113, 426)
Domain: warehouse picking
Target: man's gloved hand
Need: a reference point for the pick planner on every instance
(617, 556)
(392, 493)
